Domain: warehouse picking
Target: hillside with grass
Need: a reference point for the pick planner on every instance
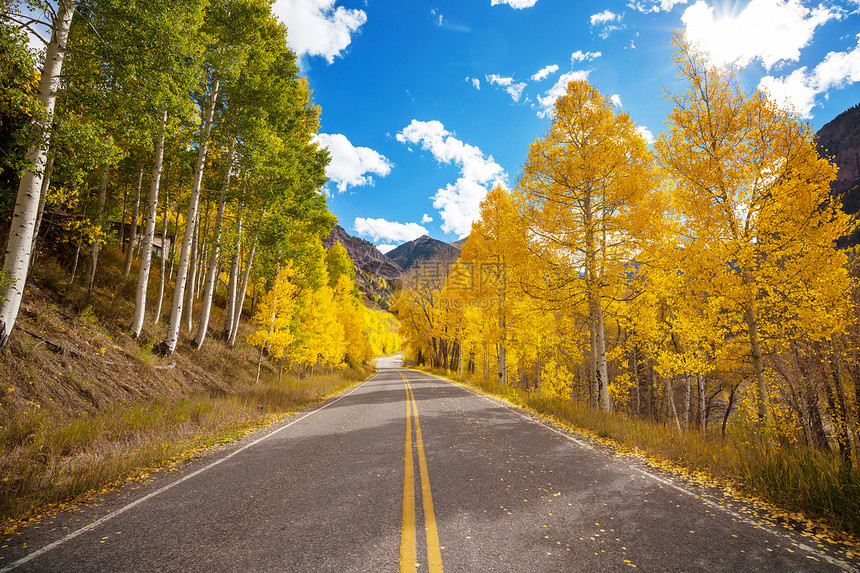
(164, 283)
(85, 406)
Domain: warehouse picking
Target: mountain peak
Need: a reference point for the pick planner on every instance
(423, 248)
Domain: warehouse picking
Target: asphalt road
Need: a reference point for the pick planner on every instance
(349, 486)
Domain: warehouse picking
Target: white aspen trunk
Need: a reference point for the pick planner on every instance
(703, 420)
(259, 366)
(232, 284)
(232, 288)
(460, 358)
(594, 393)
(148, 234)
(670, 397)
(602, 372)
(202, 249)
(75, 265)
(170, 261)
(46, 183)
(212, 269)
(121, 239)
(758, 366)
(16, 258)
(192, 278)
(96, 246)
(634, 358)
(486, 365)
(164, 220)
(168, 346)
(237, 315)
(503, 358)
(688, 390)
(539, 368)
(594, 310)
(135, 213)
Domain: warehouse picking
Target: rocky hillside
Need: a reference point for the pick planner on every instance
(374, 272)
(423, 248)
(459, 243)
(840, 139)
(364, 254)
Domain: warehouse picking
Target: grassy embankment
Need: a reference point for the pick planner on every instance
(105, 410)
(796, 478)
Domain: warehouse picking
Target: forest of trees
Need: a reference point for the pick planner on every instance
(697, 284)
(180, 132)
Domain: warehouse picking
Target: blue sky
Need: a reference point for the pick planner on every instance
(427, 104)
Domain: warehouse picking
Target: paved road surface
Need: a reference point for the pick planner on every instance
(348, 486)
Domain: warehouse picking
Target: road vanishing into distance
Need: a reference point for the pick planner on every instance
(408, 472)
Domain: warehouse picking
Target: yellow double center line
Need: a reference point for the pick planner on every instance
(408, 558)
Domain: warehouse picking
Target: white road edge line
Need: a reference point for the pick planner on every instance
(163, 489)
(539, 422)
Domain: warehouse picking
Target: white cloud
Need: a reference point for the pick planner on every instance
(518, 4)
(515, 90)
(426, 218)
(799, 88)
(646, 134)
(499, 80)
(379, 229)
(459, 202)
(384, 249)
(603, 17)
(608, 30)
(559, 89)
(317, 28)
(603, 20)
(437, 16)
(580, 56)
(544, 72)
(616, 100)
(769, 30)
(350, 165)
(655, 5)
(475, 82)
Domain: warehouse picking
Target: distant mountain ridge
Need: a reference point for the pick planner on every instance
(364, 254)
(374, 272)
(377, 273)
(839, 139)
(423, 248)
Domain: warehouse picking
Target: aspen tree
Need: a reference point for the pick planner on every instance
(135, 213)
(95, 247)
(149, 234)
(169, 344)
(760, 225)
(275, 317)
(212, 269)
(320, 337)
(349, 313)
(162, 276)
(16, 257)
(490, 251)
(579, 187)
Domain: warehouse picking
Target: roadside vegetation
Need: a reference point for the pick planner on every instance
(85, 407)
(803, 483)
(686, 298)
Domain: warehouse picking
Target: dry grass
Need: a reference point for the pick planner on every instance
(110, 410)
(794, 477)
